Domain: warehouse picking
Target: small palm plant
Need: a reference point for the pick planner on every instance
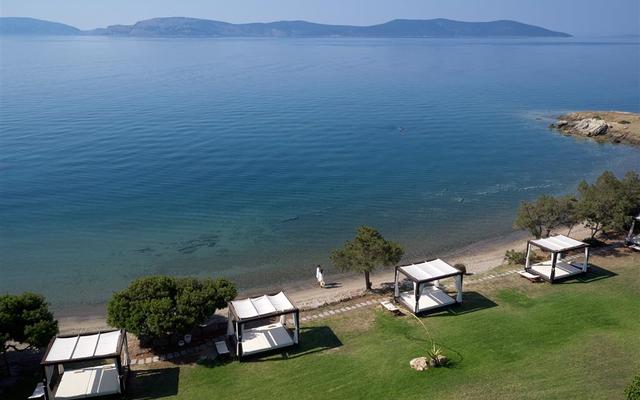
(435, 356)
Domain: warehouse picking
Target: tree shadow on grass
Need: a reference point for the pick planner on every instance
(312, 340)
(471, 302)
(594, 273)
(153, 383)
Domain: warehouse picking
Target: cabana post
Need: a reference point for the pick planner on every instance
(87, 365)
(251, 324)
(633, 240)
(557, 268)
(427, 293)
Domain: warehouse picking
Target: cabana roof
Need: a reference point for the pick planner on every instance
(261, 307)
(429, 270)
(558, 244)
(83, 347)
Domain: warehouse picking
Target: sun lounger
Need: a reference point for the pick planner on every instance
(529, 276)
(389, 306)
(38, 392)
(222, 349)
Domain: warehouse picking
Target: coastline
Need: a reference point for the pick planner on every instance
(603, 126)
(478, 257)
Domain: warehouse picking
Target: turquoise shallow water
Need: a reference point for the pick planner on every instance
(253, 158)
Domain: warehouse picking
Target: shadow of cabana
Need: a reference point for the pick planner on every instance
(593, 274)
(153, 383)
(472, 302)
(312, 340)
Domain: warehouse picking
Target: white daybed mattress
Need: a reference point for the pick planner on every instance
(431, 297)
(265, 338)
(563, 269)
(88, 382)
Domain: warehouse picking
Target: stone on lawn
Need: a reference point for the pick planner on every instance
(419, 363)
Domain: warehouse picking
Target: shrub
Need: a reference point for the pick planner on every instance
(158, 305)
(26, 319)
(461, 267)
(632, 392)
(513, 257)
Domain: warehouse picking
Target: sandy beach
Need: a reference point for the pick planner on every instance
(478, 257)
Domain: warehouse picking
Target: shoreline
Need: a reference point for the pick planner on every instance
(480, 256)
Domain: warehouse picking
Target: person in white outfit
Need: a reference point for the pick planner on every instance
(320, 276)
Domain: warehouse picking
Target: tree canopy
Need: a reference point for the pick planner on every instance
(609, 203)
(26, 319)
(366, 252)
(545, 214)
(157, 305)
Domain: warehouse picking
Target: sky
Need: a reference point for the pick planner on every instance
(577, 17)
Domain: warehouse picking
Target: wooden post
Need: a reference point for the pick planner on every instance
(554, 258)
(527, 262)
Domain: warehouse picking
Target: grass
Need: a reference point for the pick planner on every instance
(510, 340)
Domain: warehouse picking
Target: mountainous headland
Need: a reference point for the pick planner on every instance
(604, 126)
(195, 27)
(32, 26)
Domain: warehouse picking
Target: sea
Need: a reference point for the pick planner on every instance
(252, 159)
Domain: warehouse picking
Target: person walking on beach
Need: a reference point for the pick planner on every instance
(320, 276)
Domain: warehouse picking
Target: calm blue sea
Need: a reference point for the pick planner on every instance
(254, 158)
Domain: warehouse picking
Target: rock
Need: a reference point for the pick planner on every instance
(591, 127)
(442, 360)
(611, 126)
(419, 364)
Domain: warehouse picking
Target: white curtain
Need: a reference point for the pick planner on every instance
(459, 288)
(396, 289)
(526, 265)
(230, 330)
(586, 260)
(295, 328)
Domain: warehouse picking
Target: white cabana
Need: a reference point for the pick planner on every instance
(633, 240)
(556, 267)
(260, 324)
(427, 293)
(87, 365)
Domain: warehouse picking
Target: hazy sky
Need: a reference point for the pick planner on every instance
(578, 17)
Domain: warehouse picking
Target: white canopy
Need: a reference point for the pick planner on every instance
(263, 305)
(558, 243)
(429, 270)
(83, 346)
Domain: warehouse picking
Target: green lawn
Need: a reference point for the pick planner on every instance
(510, 340)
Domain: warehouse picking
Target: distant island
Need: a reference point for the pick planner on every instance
(603, 126)
(194, 27)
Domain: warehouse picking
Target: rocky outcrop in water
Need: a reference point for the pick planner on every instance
(605, 126)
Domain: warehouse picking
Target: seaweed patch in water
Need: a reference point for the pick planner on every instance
(191, 246)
